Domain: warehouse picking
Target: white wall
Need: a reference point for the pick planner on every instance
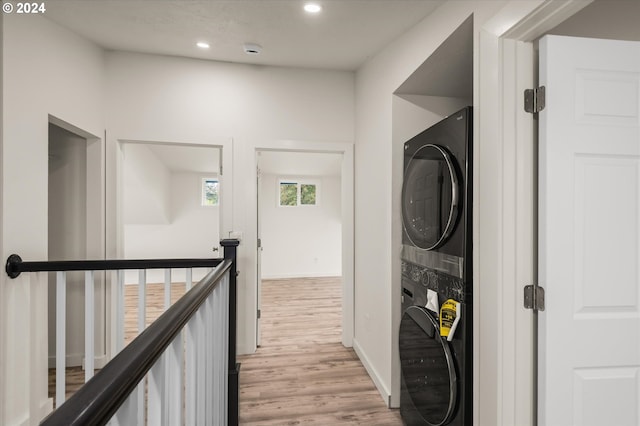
(146, 186)
(377, 265)
(192, 231)
(155, 98)
(303, 241)
(47, 70)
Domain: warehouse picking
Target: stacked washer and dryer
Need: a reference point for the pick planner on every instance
(437, 371)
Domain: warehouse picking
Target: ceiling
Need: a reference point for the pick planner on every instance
(341, 37)
(187, 158)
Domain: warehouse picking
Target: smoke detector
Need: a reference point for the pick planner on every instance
(252, 49)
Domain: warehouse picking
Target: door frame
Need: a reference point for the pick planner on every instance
(505, 375)
(115, 214)
(347, 218)
(95, 240)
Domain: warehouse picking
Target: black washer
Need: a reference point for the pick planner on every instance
(428, 368)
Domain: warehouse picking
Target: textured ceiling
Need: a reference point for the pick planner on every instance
(341, 37)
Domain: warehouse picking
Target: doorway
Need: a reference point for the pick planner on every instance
(518, 62)
(76, 231)
(171, 198)
(299, 221)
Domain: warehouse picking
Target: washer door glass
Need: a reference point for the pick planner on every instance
(427, 366)
(429, 197)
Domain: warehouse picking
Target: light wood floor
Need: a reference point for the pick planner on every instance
(301, 373)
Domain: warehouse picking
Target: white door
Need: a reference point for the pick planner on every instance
(589, 233)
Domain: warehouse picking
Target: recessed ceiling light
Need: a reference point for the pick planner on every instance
(202, 45)
(312, 8)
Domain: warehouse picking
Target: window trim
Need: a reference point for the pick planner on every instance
(298, 181)
(203, 181)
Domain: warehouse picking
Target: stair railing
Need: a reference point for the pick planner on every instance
(189, 352)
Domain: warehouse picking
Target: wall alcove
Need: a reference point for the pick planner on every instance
(440, 86)
(444, 82)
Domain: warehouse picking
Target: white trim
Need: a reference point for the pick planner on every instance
(305, 275)
(298, 181)
(46, 406)
(203, 179)
(41, 411)
(77, 359)
(545, 17)
(504, 260)
(373, 373)
(249, 252)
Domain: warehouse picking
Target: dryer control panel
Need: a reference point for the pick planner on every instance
(448, 286)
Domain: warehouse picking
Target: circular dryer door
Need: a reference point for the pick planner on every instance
(429, 197)
(428, 369)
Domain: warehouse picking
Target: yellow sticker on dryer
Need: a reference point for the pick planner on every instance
(449, 317)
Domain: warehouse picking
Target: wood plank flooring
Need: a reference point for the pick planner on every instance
(301, 373)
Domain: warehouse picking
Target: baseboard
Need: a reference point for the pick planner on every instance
(299, 275)
(46, 407)
(382, 389)
(77, 360)
(42, 410)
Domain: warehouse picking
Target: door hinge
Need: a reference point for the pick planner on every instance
(534, 297)
(259, 243)
(534, 99)
(258, 313)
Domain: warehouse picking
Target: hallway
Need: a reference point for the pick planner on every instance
(301, 373)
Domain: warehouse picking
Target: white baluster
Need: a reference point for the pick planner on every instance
(209, 391)
(189, 279)
(142, 300)
(140, 402)
(167, 288)
(127, 413)
(142, 314)
(190, 370)
(225, 346)
(201, 366)
(89, 328)
(120, 311)
(216, 326)
(156, 379)
(61, 339)
(174, 382)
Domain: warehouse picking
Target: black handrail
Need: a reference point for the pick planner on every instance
(15, 266)
(99, 399)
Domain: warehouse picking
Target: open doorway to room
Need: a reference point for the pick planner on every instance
(170, 195)
(300, 247)
(305, 368)
(76, 231)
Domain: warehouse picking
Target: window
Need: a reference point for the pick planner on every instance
(294, 193)
(308, 194)
(288, 194)
(210, 192)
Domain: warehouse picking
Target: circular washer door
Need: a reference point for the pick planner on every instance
(429, 197)
(428, 370)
